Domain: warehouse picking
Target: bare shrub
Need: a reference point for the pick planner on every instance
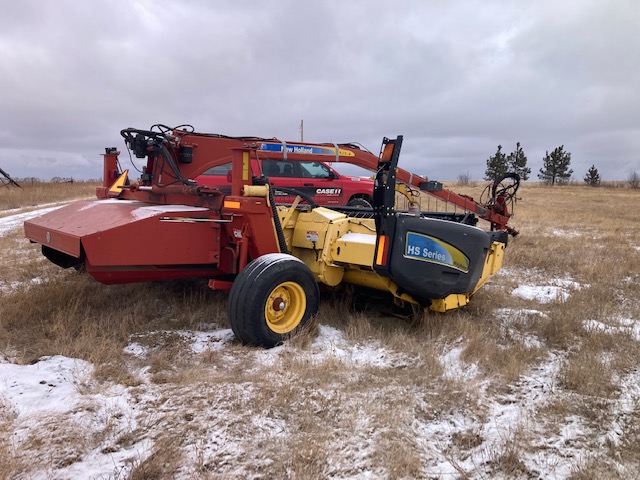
(633, 180)
(465, 180)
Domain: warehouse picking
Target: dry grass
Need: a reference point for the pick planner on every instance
(38, 193)
(163, 462)
(234, 412)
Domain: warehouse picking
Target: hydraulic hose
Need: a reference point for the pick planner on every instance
(276, 221)
(136, 140)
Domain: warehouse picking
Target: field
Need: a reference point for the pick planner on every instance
(538, 378)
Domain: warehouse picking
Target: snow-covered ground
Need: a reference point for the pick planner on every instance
(58, 389)
(118, 425)
(12, 222)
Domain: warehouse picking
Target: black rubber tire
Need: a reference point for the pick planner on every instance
(255, 287)
(359, 202)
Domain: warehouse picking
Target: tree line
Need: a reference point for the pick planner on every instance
(555, 167)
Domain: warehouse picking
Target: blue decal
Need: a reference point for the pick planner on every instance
(307, 149)
(429, 249)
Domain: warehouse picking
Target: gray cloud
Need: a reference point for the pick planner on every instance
(456, 79)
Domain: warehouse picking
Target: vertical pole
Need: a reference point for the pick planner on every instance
(240, 170)
(110, 168)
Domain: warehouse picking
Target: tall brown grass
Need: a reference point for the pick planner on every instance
(37, 193)
(323, 410)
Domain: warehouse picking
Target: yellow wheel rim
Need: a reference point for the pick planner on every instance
(285, 307)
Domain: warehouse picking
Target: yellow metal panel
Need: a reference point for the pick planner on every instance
(365, 278)
(306, 234)
(370, 279)
(322, 214)
(314, 234)
(286, 214)
(450, 302)
(330, 275)
(492, 263)
(245, 165)
(313, 227)
(354, 248)
(116, 188)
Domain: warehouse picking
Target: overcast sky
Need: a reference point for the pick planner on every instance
(456, 78)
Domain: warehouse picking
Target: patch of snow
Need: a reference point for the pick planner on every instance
(119, 201)
(198, 341)
(455, 368)
(215, 340)
(149, 211)
(104, 464)
(136, 350)
(556, 289)
(627, 326)
(506, 414)
(517, 409)
(8, 287)
(49, 385)
(510, 313)
(40, 207)
(541, 293)
(14, 221)
(330, 343)
(568, 283)
(565, 233)
(110, 201)
(626, 406)
(519, 272)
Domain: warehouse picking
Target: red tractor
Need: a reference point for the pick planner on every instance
(272, 257)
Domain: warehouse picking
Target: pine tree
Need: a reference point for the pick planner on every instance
(592, 178)
(496, 166)
(556, 167)
(517, 163)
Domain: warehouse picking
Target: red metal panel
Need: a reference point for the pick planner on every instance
(131, 274)
(154, 242)
(127, 232)
(58, 229)
(257, 214)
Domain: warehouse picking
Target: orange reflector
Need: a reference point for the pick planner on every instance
(381, 244)
(386, 153)
(230, 204)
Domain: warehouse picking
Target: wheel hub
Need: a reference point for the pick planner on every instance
(285, 307)
(279, 304)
